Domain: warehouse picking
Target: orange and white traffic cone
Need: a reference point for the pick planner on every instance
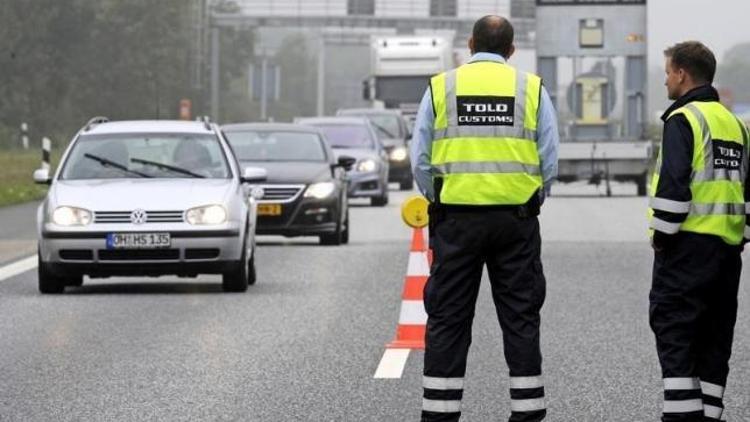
(412, 322)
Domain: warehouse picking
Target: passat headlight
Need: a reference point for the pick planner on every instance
(320, 190)
(399, 154)
(206, 215)
(71, 216)
(366, 166)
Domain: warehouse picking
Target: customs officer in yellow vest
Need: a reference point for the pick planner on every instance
(483, 153)
(698, 217)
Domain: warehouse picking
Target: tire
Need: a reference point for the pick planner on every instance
(74, 281)
(251, 274)
(345, 232)
(379, 201)
(333, 239)
(406, 184)
(236, 279)
(49, 283)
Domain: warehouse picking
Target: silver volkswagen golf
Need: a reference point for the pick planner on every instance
(147, 198)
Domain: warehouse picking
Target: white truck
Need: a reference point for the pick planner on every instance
(402, 67)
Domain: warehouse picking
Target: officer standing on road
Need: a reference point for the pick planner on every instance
(484, 150)
(698, 199)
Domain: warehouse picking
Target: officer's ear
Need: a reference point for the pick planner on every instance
(511, 51)
(471, 45)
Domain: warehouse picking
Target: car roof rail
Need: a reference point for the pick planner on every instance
(95, 121)
(206, 121)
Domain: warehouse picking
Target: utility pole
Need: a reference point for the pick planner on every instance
(215, 73)
(321, 75)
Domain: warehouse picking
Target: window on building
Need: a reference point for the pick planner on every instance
(523, 9)
(361, 7)
(443, 7)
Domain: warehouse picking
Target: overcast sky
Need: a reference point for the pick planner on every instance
(720, 24)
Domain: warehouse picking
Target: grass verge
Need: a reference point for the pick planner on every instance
(16, 171)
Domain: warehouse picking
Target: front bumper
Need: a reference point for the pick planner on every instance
(190, 253)
(400, 171)
(303, 217)
(365, 185)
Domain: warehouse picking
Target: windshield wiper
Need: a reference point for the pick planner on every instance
(109, 163)
(167, 167)
(382, 129)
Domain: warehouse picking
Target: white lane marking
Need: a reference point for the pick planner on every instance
(392, 364)
(18, 267)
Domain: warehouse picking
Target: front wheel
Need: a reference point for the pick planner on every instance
(345, 234)
(251, 275)
(49, 283)
(379, 201)
(406, 184)
(236, 279)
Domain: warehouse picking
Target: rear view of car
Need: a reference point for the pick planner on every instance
(355, 137)
(147, 198)
(305, 193)
(392, 130)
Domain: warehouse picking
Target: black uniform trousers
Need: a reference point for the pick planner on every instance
(693, 309)
(463, 241)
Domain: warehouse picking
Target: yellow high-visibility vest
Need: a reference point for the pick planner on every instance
(484, 147)
(717, 184)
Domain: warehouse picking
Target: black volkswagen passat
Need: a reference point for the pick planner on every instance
(305, 193)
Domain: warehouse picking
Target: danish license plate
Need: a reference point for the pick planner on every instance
(269, 209)
(138, 240)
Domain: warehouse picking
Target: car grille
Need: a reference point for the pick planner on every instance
(208, 253)
(138, 254)
(281, 193)
(103, 217)
(77, 254)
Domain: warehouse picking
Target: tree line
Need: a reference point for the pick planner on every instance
(64, 61)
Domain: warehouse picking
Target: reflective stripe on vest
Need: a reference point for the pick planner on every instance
(486, 153)
(720, 166)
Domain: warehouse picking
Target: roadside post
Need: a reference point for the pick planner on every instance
(46, 151)
(25, 135)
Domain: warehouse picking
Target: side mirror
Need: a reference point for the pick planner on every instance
(346, 162)
(42, 177)
(254, 175)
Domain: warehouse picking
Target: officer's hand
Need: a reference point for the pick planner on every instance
(661, 241)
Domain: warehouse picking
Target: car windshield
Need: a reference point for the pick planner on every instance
(347, 136)
(146, 156)
(386, 126)
(277, 146)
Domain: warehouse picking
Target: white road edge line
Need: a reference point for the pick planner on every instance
(392, 364)
(18, 267)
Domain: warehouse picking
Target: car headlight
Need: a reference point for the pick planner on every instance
(320, 190)
(71, 216)
(399, 154)
(206, 215)
(367, 165)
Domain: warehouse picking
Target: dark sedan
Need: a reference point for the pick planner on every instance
(306, 189)
(355, 137)
(393, 131)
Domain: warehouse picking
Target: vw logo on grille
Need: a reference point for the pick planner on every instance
(138, 217)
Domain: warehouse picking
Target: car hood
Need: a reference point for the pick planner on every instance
(359, 154)
(147, 194)
(292, 172)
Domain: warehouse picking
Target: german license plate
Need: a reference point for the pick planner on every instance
(269, 209)
(138, 240)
